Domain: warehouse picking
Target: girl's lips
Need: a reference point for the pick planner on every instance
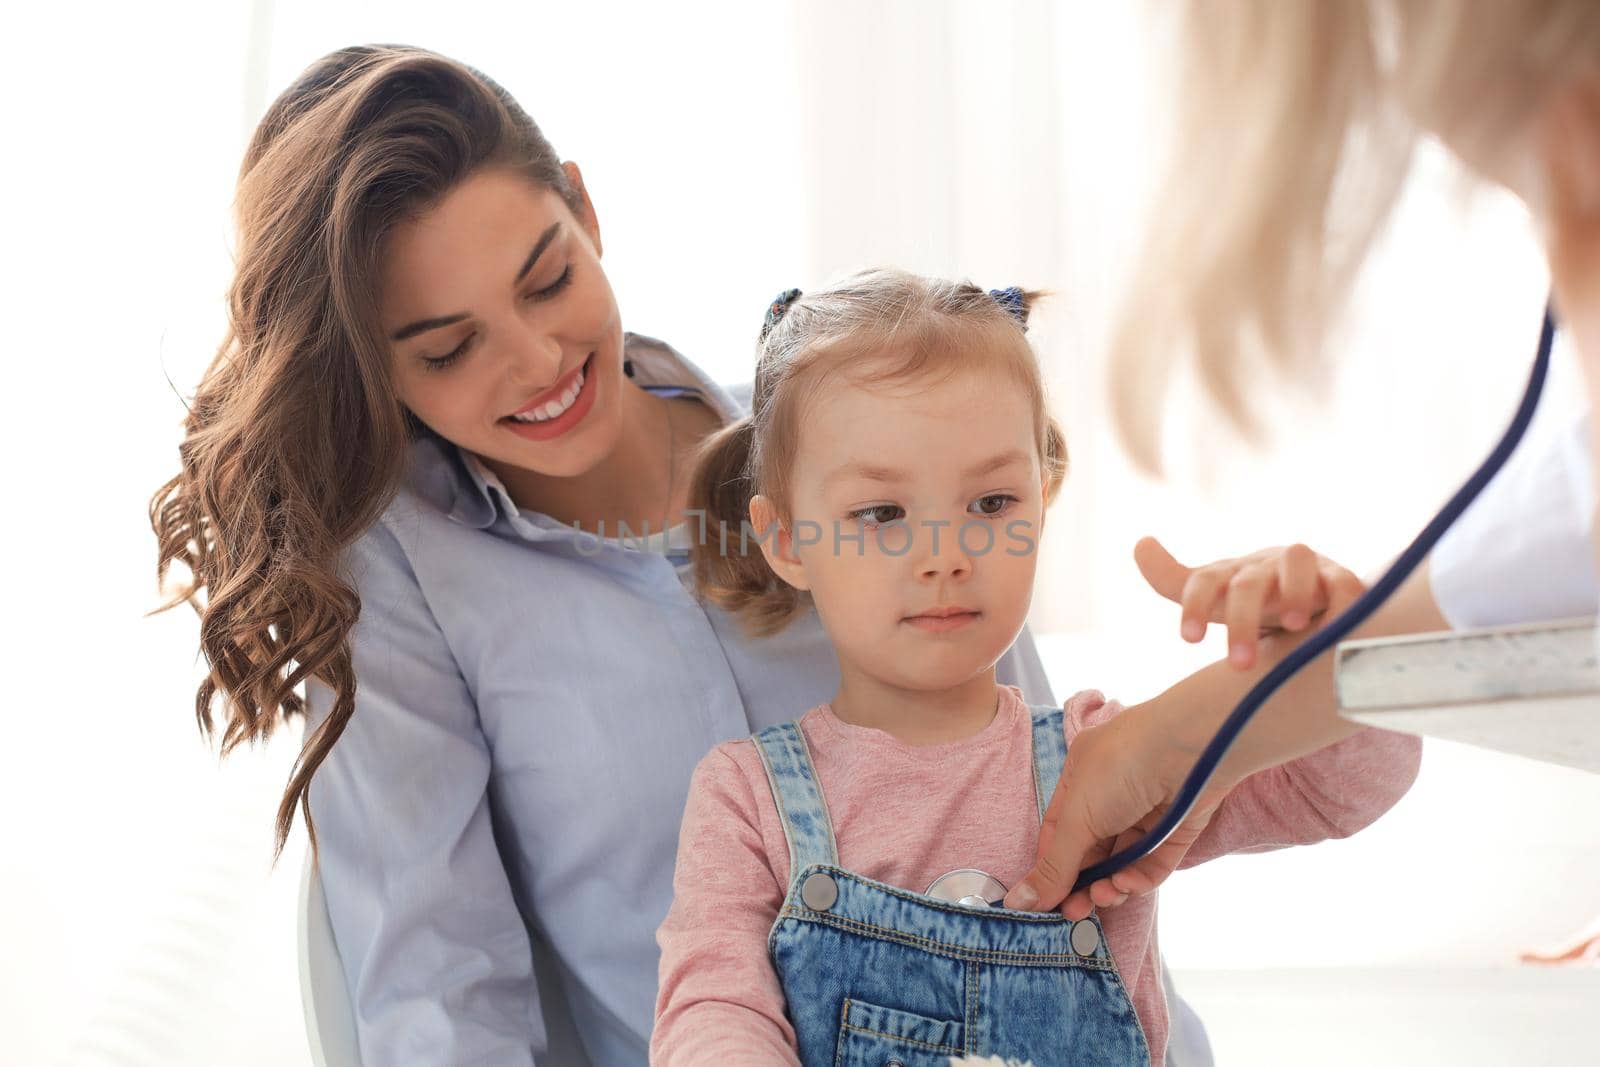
(935, 624)
(544, 431)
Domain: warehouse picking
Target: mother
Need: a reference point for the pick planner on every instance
(402, 470)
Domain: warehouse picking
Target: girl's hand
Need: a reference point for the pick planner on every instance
(1275, 589)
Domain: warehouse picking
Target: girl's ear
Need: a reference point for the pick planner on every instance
(777, 543)
(585, 212)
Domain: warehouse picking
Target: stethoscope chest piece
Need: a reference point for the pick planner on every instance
(968, 886)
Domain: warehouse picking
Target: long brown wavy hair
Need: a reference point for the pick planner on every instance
(295, 441)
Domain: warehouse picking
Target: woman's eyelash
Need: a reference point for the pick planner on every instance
(441, 362)
(554, 287)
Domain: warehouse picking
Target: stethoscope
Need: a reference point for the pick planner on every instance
(973, 890)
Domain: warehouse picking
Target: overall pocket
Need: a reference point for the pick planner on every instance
(873, 1036)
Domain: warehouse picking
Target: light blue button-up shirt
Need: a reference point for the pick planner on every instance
(531, 703)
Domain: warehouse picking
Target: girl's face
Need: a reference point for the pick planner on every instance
(909, 500)
(504, 334)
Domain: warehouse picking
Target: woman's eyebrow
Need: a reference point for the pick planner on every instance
(424, 325)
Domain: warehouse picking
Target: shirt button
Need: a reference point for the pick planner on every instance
(819, 891)
(1085, 938)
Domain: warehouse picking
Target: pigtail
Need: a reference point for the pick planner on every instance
(1017, 301)
(1028, 298)
(729, 569)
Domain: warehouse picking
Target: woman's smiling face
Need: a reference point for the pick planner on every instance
(504, 334)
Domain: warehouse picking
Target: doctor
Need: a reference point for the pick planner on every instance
(1310, 93)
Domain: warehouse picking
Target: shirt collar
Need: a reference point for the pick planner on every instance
(473, 495)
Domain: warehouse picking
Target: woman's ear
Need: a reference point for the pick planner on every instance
(585, 211)
(776, 541)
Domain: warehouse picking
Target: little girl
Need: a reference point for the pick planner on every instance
(895, 470)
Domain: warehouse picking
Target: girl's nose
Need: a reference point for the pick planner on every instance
(947, 558)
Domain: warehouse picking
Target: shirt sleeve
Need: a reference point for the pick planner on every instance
(1523, 552)
(435, 951)
(720, 1000)
(1331, 793)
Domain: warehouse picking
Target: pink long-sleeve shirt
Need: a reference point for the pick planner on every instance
(904, 815)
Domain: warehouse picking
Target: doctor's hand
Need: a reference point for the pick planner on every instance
(1123, 775)
(1118, 781)
(1275, 589)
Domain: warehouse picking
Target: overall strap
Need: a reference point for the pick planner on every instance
(1049, 752)
(795, 790)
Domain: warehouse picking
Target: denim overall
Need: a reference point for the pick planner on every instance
(878, 975)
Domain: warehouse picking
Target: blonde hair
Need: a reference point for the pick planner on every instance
(873, 327)
(1294, 136)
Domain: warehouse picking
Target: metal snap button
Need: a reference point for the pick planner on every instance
(819, 891)
(895, 1063)
(1085, 937)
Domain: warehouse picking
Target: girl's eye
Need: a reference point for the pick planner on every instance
(1005, 501)
(867, 515)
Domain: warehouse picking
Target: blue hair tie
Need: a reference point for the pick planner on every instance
(777, 309)
(1013, 301)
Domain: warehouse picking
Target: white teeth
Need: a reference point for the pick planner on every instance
(555, 407)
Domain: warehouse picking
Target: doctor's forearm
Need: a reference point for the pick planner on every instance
(1302, 716)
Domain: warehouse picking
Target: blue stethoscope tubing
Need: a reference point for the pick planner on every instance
(1335, 631)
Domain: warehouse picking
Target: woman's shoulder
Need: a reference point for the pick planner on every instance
(439, 484)
(436, 492)
(421, 522)
(671, 366)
